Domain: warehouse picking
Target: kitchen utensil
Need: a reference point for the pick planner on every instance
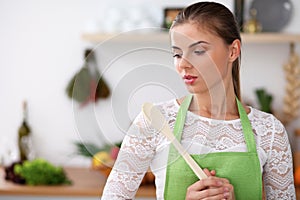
(158, 121)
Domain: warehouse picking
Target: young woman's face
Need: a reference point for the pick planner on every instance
(201, 58)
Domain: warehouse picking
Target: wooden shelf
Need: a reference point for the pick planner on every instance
(258, 38)
(127, 37)
(86, 182)
(271, 38)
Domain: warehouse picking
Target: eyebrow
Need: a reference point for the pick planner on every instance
(191, 45)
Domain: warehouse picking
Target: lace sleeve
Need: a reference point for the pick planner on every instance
(132, 163)
(278, 171)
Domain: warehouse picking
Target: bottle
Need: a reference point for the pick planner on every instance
(24, 141)
(252, 25)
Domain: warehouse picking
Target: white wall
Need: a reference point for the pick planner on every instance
(41, 48)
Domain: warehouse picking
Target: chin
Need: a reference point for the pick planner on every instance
(196, 90)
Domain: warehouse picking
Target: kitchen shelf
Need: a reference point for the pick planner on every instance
(271, 38)
(258, 38)
(127, 37)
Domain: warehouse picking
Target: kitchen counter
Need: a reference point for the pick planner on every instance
(86, 183)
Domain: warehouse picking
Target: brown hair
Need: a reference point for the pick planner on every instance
(219, 20)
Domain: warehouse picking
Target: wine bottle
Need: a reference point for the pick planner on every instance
(24, 136)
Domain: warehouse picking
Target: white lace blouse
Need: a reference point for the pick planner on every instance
(144, 147)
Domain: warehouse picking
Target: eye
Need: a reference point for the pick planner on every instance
(177, 55)
(176, 52)
(199, 52)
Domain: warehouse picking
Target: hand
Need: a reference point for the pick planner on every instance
(211, 188)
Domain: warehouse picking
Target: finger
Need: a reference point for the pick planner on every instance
(209, 194)
(228, 191)
(213, 172)
(211, 181)
(224, 180)
(207, 172)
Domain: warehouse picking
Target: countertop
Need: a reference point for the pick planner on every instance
(86, 182)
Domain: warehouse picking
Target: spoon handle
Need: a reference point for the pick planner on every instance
(186, 156)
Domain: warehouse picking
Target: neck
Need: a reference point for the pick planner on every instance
(217, 103)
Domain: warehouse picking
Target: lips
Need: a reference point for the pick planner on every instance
(189, 79)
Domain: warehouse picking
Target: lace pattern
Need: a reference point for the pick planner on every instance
(143, 147)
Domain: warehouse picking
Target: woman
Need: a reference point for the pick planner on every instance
(245, 152)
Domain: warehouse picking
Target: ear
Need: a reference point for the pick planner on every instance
(235, 50)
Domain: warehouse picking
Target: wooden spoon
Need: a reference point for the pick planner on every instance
(158, 121)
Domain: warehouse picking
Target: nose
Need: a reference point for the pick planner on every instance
(184, 63)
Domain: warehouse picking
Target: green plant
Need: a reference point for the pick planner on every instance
(90, 149)
(264, 99)
(41, 172)
(87, 85)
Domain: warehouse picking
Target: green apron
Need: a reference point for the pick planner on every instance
(242, 169)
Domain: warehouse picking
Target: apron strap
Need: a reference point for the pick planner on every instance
(247, 128)
(181, 115)
(246, 125)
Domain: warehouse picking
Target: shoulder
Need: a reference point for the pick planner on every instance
(265, 120)
(270, 132)
(140, 124)
(271, 135)
(168, 106)
(163, 106)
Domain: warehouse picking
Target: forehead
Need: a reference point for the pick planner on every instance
(188, 33)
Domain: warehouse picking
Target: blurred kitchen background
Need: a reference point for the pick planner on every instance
(41, 48)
